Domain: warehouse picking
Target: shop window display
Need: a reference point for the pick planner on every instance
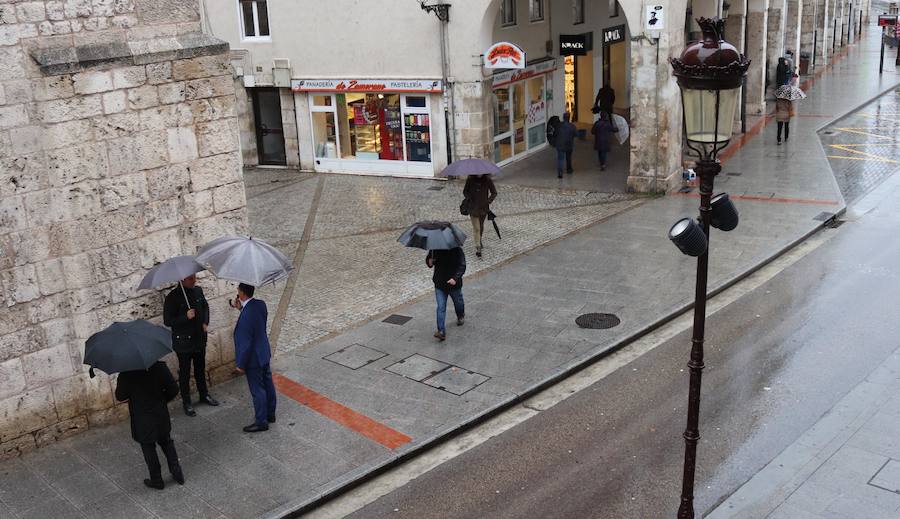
(519, 116)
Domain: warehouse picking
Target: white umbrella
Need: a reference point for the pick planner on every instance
(790, 92)
(622, 125)
(244, 259)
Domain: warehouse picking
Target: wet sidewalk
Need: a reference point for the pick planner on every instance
(355, 401)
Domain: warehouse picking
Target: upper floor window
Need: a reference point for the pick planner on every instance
(577, 12)
(254, 18)
(613, 8)
(537, 10)
(508, 12)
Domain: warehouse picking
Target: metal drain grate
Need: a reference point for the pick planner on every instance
(834, 224)
(597, 321)
(823, 216)
(435, 188)
(397, 319)
(733, 174)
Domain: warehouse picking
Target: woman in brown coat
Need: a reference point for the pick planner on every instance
(480, 192)
(784, 110)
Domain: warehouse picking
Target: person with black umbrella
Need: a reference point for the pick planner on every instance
(147, 392)
(186, 312)
(449, 266)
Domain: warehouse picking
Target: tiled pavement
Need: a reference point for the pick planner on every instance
(520, 328)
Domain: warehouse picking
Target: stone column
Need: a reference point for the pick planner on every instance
(775, 37)
(823, 34)
(702, 9)
(792, 29)
(473, 122)
(289, 127)
(808, 28)
(757, 23)
(656, 120)
(734, 34)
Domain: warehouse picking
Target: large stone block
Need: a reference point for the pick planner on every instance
(12, 378)
(182, 144)
(47, 308)
(123, 190)
(13, 116)
(31, 12)
(12, 214)
(129, 77)
(77, 200)
(11, 64)
(116, 125)
(110, 416)
(215, 137)
(210, 87)
(143, 97)
(160, 246)
(54, 87)
(215, 171)
(208, 229)
(26, 413)
(147, 150)
(67, 134)
(170, 93)
(17, 447)
(58, 331)
(228, 198)
(90, 298)
(115, 102)
(22, 174)
(92, 82)
(47, 365)
(76, 164)
(51, 277)
(60, 431)
(61, 110)
(158, 73)
(78, 271)
(198, 204)
(21, 342)
(117, 260)
(19, 284)
(162, 214)
(167, 11)
(213, 108)
(169, 181)
(143, 307)
(202, 67)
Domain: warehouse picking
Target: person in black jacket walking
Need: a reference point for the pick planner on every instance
(564, 142)
(449, 267)
(189, 324)
(147, 393)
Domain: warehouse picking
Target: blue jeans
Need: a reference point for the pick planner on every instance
(563, 158)
(458, 305)
(262, 390)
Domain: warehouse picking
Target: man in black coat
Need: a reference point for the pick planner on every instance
(564, 143)
(147, 393)
(449, 267)
(186, 312)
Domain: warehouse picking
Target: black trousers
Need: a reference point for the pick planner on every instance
(787, 129)
(152, 459)
(198, 359)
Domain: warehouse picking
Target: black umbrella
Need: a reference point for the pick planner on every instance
(493, 218)
(433, 236)
(130, 346)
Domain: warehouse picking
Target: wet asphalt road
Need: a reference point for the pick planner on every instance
(776, 360)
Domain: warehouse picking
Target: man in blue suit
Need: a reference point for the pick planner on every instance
(252, 355)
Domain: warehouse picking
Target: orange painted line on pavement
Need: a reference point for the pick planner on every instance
(810, 201)
(341, 414)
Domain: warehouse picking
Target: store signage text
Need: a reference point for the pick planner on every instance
(429, 86)
(885, 20)
(505, 78)
(504, 55)
(614, 35)
(573, 44)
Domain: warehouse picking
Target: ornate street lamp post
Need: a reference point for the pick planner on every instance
(709, 73)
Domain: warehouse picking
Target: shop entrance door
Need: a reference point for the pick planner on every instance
(579, 88)
(614, 74)
(269, 130)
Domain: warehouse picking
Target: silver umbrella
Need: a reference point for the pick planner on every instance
(244, 259)
(173, 270)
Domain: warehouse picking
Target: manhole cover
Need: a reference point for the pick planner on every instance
(417, 367)
(355, 356)
(397, 319)
(456, 380)
(597, 321)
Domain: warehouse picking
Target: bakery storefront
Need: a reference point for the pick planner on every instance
(372, 126)
(520, 99)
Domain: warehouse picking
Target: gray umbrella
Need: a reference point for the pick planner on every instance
(173, 270)
(244, 259)
(465, 167)
(129, 346)
(433, 236)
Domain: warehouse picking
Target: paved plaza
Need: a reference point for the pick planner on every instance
(358, 391)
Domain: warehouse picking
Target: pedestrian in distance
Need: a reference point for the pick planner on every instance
(784, 111)
(186, 312)
(782, 73)
(564, 144)
(252, 356)
(603, 103)
(449, 266)
(147, 393)
(602, 131)
(480, 192)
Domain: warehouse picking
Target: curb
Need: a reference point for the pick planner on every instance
(297, 509)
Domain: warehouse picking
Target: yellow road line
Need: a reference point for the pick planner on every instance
(861, 158)
(857, 131)
(864, 154)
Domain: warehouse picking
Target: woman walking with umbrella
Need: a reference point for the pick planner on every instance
(443, 241)
(480, 192)
(785, 96)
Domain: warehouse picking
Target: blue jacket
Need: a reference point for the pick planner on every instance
(251, 344)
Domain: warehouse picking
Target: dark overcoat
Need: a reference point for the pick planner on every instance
(480, 191)
(187, 334)
(148, 392)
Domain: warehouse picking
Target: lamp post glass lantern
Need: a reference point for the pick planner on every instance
(709, 73)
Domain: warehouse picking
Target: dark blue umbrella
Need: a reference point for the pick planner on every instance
(433, 236)
(465, 167)
(129, 346)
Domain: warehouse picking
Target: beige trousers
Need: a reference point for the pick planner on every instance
(478, 228)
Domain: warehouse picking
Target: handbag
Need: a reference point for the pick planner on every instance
(464, 207)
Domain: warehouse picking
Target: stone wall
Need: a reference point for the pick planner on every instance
(118, 150)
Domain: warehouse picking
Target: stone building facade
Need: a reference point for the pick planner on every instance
(118, 149)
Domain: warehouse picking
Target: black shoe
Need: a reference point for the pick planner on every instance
(208, 400)
(177, 475)
(478, 253)
(271, 419)
(256, 428)
(570, 171)
(189, 410)
(460, 321)
(153, 483)
(559, 175)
